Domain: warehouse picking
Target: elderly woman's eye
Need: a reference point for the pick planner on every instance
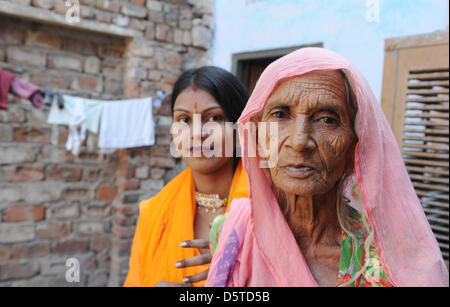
(279, 114)
(328, 120)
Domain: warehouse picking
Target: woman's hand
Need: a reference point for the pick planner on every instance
(194, 261)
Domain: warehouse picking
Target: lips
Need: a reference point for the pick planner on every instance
(299, 170)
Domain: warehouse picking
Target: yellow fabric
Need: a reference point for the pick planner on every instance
(165, 221)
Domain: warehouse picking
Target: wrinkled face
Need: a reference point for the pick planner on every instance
(196, 102)
(315, 133)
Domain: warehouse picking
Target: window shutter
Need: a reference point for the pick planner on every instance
(415, 100)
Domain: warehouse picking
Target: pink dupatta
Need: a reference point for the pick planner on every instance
(257, 248)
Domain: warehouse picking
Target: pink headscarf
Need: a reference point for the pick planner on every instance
(257, 247)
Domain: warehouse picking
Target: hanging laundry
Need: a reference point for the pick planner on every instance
(5, 85)
(126, 124)
(80, 114)
(18, 87)
(28, 91)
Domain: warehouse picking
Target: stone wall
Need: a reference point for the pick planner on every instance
(54, 206)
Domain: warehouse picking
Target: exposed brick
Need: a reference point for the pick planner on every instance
(91, 174)
(62, 173)
(77, 194)
(133, 10)
(111, 6)
(64, 212)
(13, 36)
(92, 65)
(123, 247)
(15, 114)
(104, 260)
(53, 230)
(11, 193)
(18, 270)
(72, 247)
(86, 228)
(5, 253)
(131, 89)
(124, 231)
(2, 54)
(33, 250)
(99, 279)
(87, 83)
(32, 135)
(43, 4)
(101, 243)
(152, 184)
(12, 233)
(66, 62)
(157, 173)
(154, 5)
(52, 154)
(26, 173)
(106, 193)
(26, 56)
(162, 32)
(40, 192)
(128, 210)
(162, 162)
(6, 133)
(123, 220)
(96, 210)
(20, 213)
(44, 40)
(156, 16)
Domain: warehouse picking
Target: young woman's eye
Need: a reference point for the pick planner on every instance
(215, 118)
(184, 119)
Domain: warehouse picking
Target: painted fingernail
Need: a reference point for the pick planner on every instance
(178, 265)
(183, 244)
(186, 280)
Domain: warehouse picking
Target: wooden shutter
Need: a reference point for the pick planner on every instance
(415, 99)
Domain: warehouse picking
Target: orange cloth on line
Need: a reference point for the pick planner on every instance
(165, 221)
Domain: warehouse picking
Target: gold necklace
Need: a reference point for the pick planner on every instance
(209, 201)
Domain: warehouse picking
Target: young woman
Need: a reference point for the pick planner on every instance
(171, 246)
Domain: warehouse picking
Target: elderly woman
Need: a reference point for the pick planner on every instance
(337, 208)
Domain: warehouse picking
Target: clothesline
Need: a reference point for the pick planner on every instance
(118, 123)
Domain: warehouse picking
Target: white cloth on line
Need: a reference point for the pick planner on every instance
(80, 114)
(126, 124)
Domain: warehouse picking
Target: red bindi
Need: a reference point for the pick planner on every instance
(196, 106)
(194, 87)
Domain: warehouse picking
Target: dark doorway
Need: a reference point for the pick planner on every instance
(249, 66)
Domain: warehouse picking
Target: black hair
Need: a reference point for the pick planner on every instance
(228, 91)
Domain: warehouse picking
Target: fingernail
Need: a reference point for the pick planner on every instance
(178, 265)
(183, 244)
(186, 280)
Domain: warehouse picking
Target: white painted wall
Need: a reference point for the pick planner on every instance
(344, 26)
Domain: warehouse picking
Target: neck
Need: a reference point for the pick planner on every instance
(313, 219)
(217, 182)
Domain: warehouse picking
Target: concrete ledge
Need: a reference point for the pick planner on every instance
(48, 17)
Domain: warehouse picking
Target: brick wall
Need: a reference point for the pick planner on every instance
(54, 206)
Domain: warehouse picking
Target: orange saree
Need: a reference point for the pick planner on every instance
(165, 221)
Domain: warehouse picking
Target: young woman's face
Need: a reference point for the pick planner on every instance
(198, 110)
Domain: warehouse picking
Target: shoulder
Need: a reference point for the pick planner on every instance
(164, 197)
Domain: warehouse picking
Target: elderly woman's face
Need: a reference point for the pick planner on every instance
(315, 134)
